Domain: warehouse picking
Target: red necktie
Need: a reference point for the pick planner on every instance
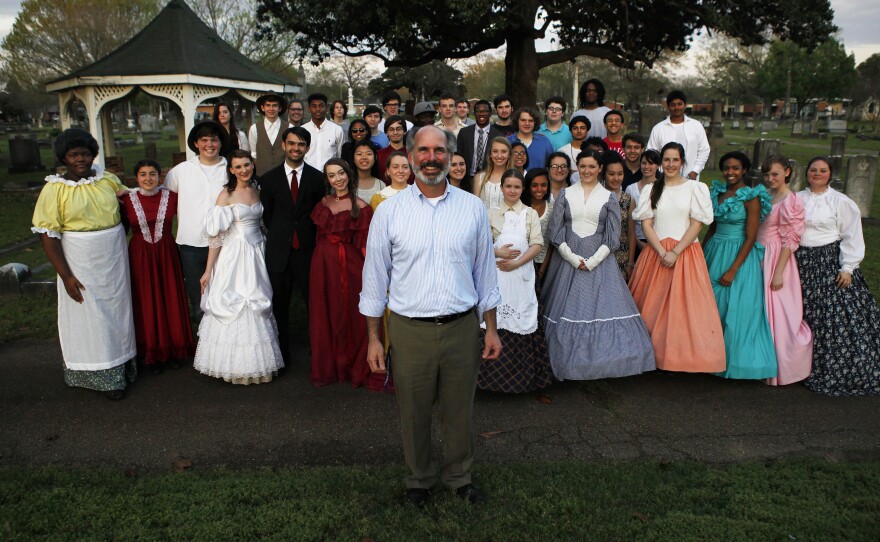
(294, 188)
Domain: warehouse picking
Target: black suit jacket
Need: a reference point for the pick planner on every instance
(282, 219)
(466, 140)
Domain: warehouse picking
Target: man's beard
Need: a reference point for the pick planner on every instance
(441, 176)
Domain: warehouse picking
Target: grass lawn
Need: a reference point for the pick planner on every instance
(791, 500)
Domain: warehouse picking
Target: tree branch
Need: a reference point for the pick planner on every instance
(597, 51)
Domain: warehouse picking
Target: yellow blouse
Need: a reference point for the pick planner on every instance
(89, 204)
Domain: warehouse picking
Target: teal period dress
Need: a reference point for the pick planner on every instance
(748, 342)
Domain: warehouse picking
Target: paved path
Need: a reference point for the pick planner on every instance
(182, 414)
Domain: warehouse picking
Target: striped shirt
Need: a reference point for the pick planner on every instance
(425, 260)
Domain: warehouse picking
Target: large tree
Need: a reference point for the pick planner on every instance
(867, 90)
(798, 74)
(51, 38)
(624, 32)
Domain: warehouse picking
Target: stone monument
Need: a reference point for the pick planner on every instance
(861, 175)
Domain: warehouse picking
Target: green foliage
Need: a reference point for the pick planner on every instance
(484, 77)
(800, 500)
(730, 69)
(428, 81)
(827, 72)
(51, 38)
(625, 33)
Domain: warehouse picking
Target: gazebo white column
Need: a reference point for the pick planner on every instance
(95, 98)
(187, 97)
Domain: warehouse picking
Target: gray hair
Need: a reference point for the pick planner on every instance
(451, 143)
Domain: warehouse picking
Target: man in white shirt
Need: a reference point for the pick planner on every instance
(592, 100)
(688, 132)
(198, 182)
(263, 136)
(327, 137)
(448, 119)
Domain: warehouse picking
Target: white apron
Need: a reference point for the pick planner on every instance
(99, 333)
(518, 311)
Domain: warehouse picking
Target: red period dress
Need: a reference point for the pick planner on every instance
(161, 317)
(337, 330)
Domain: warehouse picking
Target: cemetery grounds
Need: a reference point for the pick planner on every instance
(820, 498)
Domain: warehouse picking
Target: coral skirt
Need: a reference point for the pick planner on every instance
(678, 307)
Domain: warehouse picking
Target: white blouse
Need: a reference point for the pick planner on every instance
(677, 206)
(585, 222)
(830, 217)
(491, 194)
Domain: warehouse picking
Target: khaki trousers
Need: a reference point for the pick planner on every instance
(436, 363)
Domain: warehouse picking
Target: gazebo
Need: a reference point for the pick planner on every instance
(177, 57)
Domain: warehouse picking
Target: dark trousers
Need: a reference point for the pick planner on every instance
(193, 260)
(294, 276)
(436, 363)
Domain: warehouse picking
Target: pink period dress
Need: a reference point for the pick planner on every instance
(792, 337)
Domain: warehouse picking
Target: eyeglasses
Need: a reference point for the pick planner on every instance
(394, 129)
(358, 130)
(519, 154)
(555, 109)
(559, 167)
(392, 104)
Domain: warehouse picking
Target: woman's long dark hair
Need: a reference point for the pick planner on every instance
(352, 184)
(660, 183)
(233, 131)
(533, 174)
(231, 180)
(374, 171)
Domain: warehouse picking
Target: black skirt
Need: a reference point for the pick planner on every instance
(845, 324)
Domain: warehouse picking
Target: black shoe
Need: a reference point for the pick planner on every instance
(115, 395)
(471, 493)
(417, 497)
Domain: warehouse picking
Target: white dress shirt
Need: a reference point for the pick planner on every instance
(197, 187)
(299, 173)
(830, 217)
(692, 137)
(272, 130)
(326, 143)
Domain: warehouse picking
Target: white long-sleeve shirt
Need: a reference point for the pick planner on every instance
(692, 137)
(831, 217)
(326, 143)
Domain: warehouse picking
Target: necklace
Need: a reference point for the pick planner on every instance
(341, 196)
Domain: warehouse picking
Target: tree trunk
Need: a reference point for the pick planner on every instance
(521, 71)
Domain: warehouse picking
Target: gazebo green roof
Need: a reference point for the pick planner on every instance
(176, 42)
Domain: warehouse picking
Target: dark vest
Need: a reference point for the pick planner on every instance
(269, 155)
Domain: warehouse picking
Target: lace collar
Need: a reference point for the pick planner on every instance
(60, 179)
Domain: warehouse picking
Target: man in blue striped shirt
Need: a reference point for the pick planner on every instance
(430, 260)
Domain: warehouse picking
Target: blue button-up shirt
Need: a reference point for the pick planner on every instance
(425, 260)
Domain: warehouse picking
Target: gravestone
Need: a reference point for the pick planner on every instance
(649, 116)
(797, 128)
(734, 125)
(837, 178)
(812, 128)
(150, 151)
(838, 145)
(750, 125)
(764, 148)
(837, 126)
(149, 123)
(768, 125)
(861, 176)
(716, 126)
(24, 155)
(11, 277)
(795, 181)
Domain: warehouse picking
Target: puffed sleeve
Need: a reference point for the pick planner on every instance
(47, 212)
(852, 241)
(643, 209)
(701, 203)
(611, 235)
(117, 184)
(558, 231)
(791, 221)
(763, 197)
(217, 223)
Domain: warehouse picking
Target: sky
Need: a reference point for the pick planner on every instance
(857, 20)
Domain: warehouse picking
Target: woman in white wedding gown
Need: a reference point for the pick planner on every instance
(238, 337)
